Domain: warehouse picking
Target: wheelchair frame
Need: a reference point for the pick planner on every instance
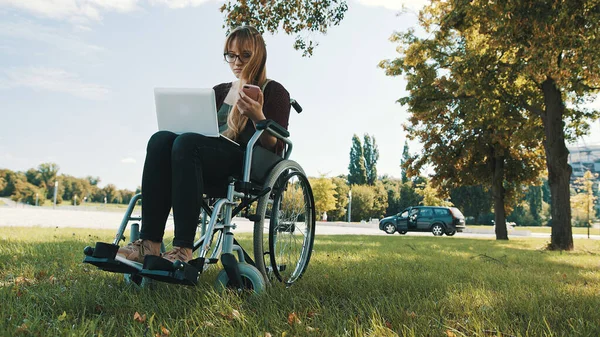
(243, 273)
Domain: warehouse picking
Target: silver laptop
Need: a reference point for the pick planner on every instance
(187, 110)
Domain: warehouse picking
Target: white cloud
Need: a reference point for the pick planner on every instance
(395, 4)
(71, 9)
(51, 79)
(81, 11)
(128, 160)
(178, 3)
(55, 37)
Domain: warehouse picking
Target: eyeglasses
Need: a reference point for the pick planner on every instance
(230, 57)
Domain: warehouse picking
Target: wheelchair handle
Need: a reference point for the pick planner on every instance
(296, 106)
(271, 125)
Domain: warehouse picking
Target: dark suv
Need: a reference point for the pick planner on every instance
(436, 219)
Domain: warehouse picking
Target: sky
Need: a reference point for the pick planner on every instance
(77, 79)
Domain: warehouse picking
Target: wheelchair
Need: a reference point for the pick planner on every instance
(273, 193)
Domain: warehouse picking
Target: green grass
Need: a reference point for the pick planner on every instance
(354, 286)
(540, 229)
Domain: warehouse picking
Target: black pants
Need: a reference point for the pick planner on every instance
(178, 170)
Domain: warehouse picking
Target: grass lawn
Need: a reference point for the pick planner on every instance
(540, 229)
(354, 286)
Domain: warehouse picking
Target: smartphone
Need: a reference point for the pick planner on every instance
(251, 90)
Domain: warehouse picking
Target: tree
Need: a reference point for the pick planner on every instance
(324, 194)
(293, 17)
(409, 196)
(358, 172)
(371, 154)
(539, 56)
(470, 135)
(380, 203)
(534, 200)
(112, 194)
(33, 177)
(341, 202)
(473, 201)
(25, 192)
(47, 176)
(393, 188)
(403, 161)
(431, 195)
(2, 184)
(584, 199)
(363, 199)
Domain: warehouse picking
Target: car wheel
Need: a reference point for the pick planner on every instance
(450, 233)
(402, 232)
(437, 230)
(389, 228)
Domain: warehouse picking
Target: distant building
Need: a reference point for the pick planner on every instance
(584, 158)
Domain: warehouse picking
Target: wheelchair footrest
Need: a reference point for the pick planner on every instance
(104, 256)
(157, 268)
(112, 265)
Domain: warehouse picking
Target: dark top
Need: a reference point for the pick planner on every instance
(276, 107)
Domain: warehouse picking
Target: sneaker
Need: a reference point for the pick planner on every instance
(137, 250)
(178, 253)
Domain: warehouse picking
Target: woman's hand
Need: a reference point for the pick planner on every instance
(251, 108)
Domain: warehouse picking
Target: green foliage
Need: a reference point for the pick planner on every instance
(409, 196)
(393, 188)
(341, 200)
(324, 194)
(404, 161)
(2, 184)
(291, 17)
(26, 192)
(473, 201)
(112, 194)
(357, 170)
(363, 200)
(583, 202)
(371, 154)
(431, 195)
(534, 199)
(12, 179)
(47, 177)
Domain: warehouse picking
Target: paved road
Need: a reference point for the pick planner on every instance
(70, 218)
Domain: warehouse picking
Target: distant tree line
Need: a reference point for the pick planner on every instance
(378, 196)
(38, 184)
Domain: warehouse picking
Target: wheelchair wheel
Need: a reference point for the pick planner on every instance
(284, 237)
(252, 279)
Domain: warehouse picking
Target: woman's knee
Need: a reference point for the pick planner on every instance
(161, 140)
(187, 144)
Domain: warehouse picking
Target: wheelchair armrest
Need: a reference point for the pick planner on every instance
(273, 128)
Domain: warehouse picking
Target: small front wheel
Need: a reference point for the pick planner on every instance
(252, 279)
(450, 233)
(437, 230)
(389, 228)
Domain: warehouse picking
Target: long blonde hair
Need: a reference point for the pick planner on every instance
(254, 72)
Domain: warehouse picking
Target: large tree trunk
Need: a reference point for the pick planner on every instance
(559, 170)
(498, 193)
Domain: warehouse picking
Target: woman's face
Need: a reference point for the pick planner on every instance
(237, 57)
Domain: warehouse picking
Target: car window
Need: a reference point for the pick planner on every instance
(413, 211)
(426, 212)
(404, 214)
(456, 212)
(441, 212)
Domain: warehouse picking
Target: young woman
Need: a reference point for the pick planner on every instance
(179, 169)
